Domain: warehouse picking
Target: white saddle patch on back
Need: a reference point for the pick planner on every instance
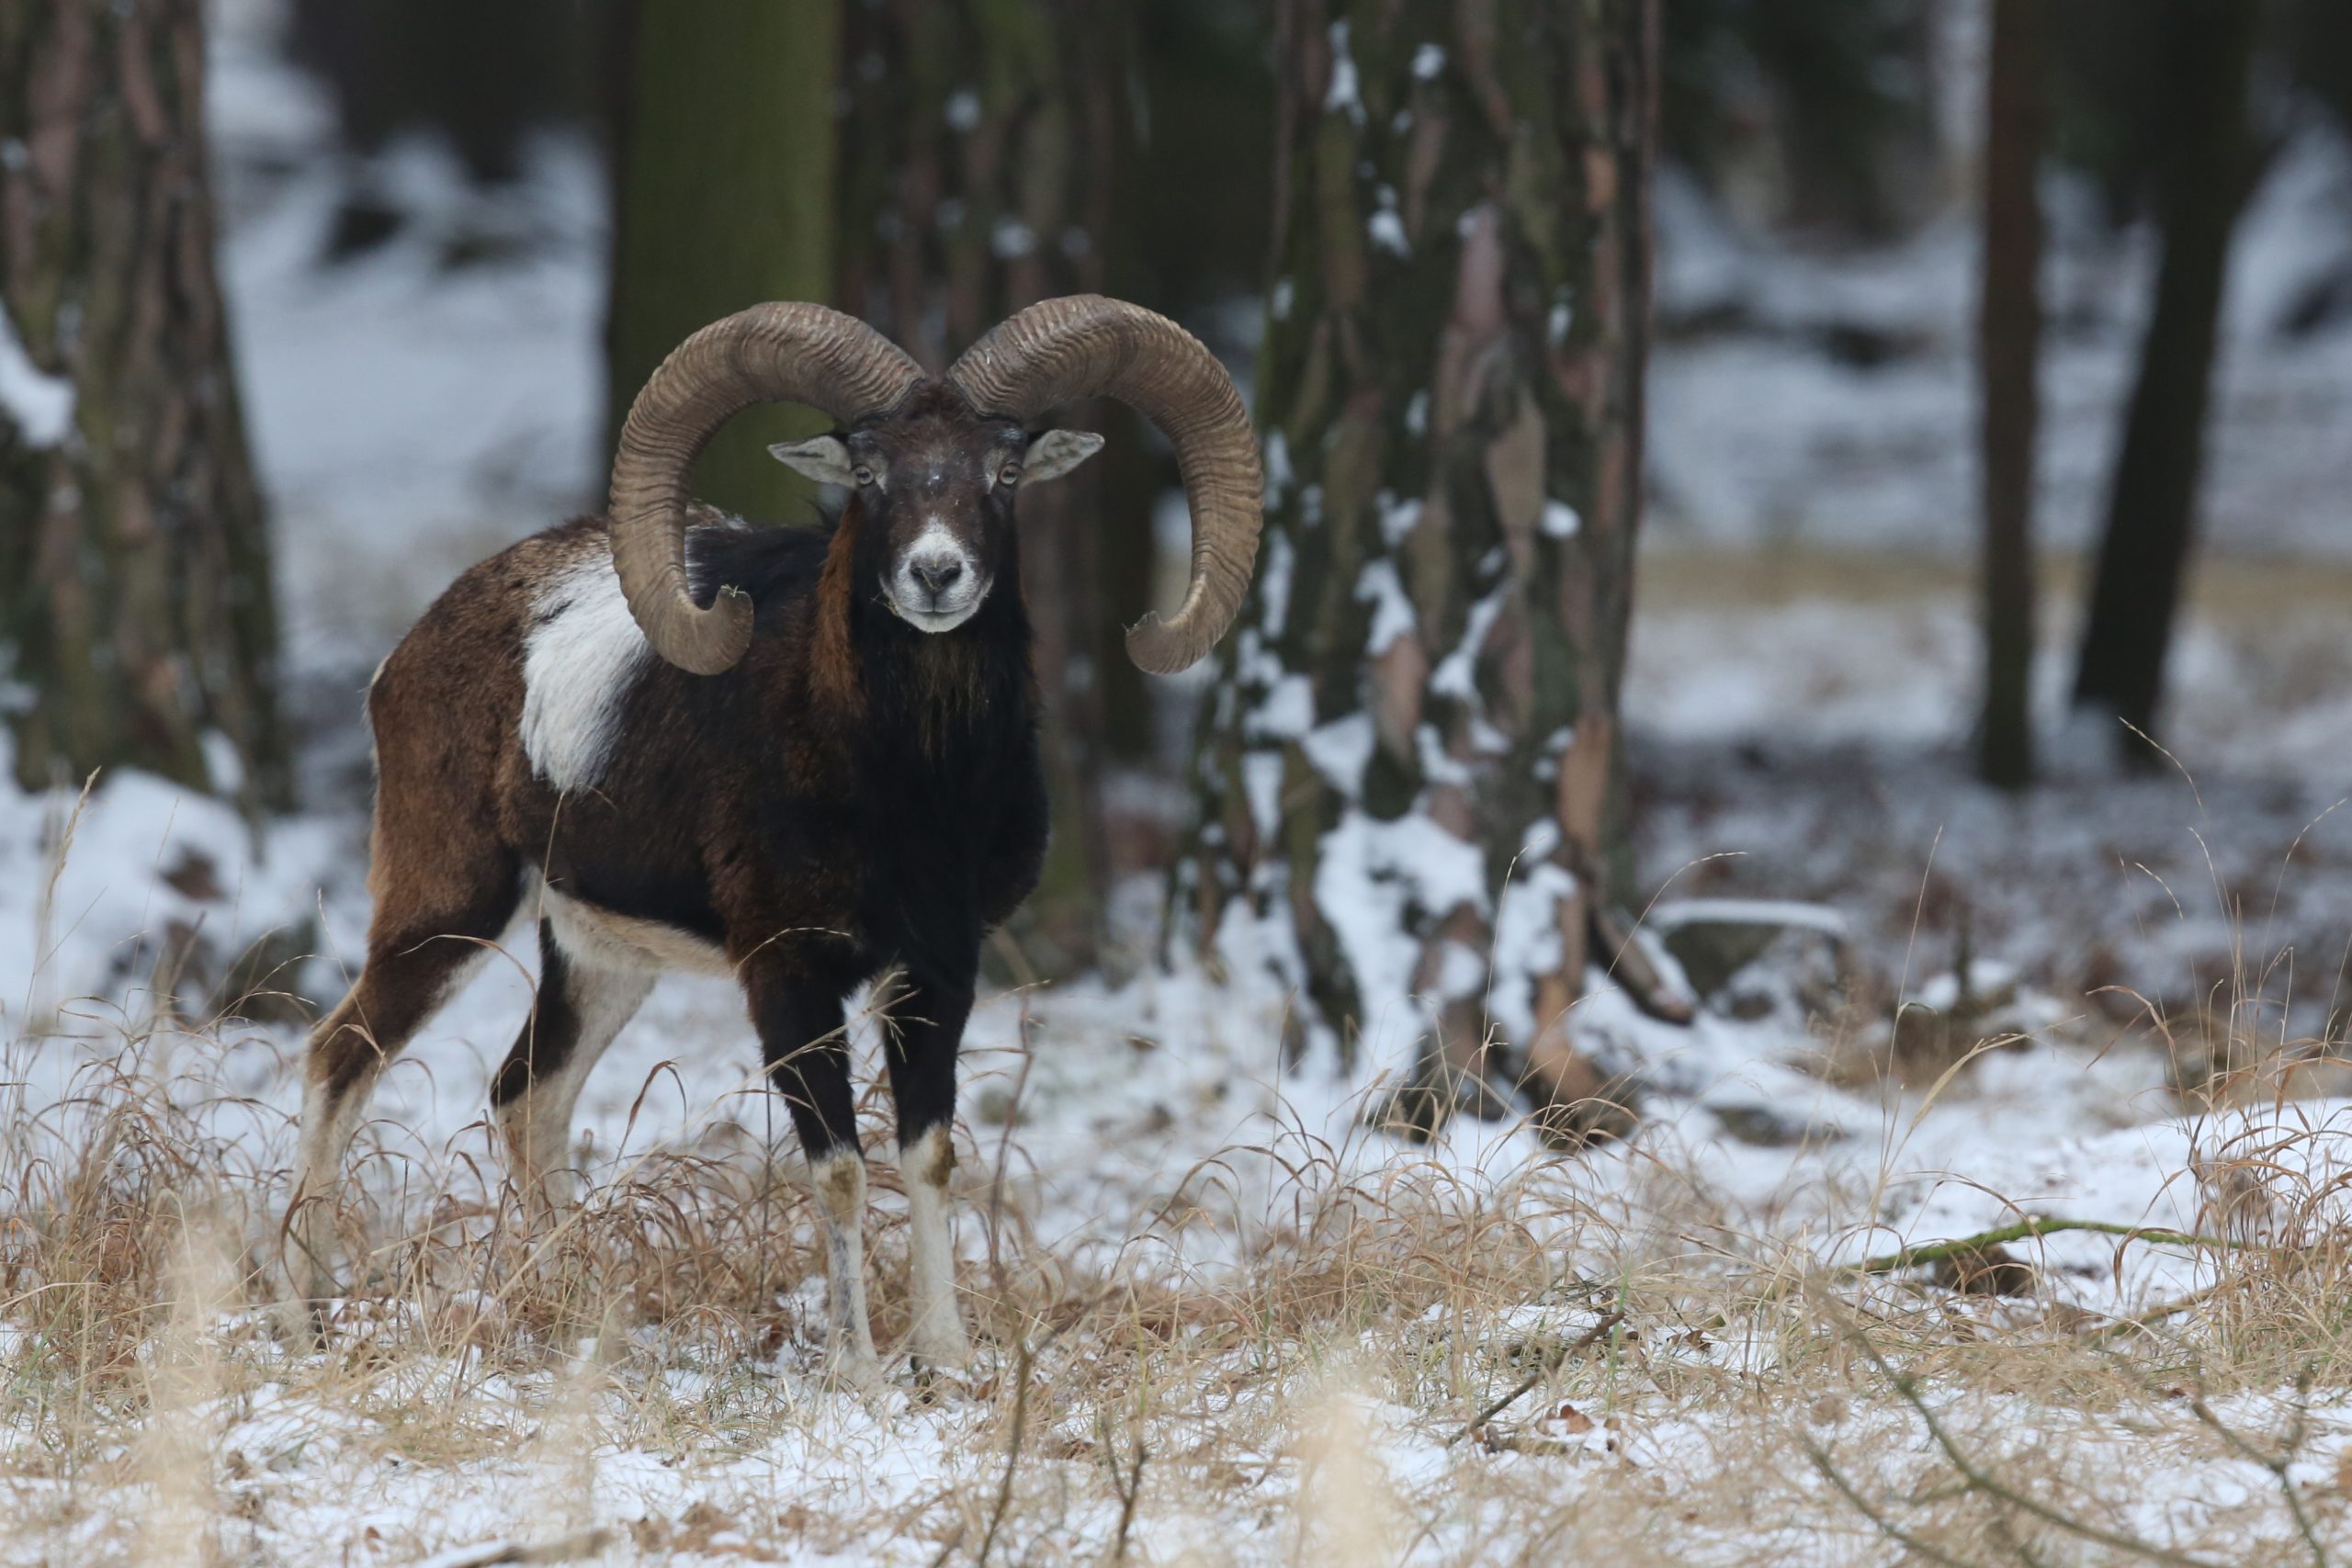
(579, 659)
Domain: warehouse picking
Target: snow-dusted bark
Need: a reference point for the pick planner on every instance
(137, 625)
(1408, 780)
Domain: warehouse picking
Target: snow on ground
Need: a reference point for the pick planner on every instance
(1806, 734)
(1106, 1109)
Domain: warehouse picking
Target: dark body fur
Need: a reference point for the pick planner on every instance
(856, 794)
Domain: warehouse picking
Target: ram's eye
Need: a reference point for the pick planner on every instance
(861, 474)
(1009, 474)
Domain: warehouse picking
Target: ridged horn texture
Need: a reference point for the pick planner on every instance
(1062, 351)
(769, 353)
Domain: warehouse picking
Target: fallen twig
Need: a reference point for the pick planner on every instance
(2031, 1227)
(1011, 1457)
(1863, 1507)
(1982, 1480)
(1128, 1490)
(2140, 1322)
(1589, 1337)
(2275, 1463)
(2022, 1230)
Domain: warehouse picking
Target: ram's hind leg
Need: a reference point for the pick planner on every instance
(414, 961)
(804, 1038)
(925, 1030)
(580, 1007)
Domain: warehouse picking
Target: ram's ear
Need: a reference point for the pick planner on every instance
(822, 458)
(1056, 452)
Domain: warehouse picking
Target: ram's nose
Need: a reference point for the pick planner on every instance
(937, 574)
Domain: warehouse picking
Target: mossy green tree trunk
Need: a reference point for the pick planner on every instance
(725, 173)
(982, 143)
(137, 623)
(1409, 784)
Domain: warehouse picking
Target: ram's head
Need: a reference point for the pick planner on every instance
(935, 483)
(936, 465)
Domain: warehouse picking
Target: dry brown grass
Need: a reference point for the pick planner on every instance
(641, 1384)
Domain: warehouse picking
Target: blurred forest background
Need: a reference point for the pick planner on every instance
(1978, 373)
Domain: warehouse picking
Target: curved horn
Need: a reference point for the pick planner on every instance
(1061, 351)
(769, 353)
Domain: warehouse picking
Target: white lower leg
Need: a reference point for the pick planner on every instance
(840, 1178)
(537, 1129)
(936, 1340)
(326, 1131)
(536, 1125)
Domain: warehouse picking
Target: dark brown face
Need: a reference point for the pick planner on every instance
(938, 482)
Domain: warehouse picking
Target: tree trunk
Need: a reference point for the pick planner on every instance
(2201, 182)
(1192, 215)
(1409, 792)
(725, 198)
(2008, 336)
(137, 625)
(977, 177)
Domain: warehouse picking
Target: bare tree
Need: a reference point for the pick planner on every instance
(136, 622)
(1409, 790)
(2009, 339)
(2203, 169)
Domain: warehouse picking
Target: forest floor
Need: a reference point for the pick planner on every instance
(1218, 1319)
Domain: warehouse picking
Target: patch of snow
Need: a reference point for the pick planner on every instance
(1279, 477)
(1011, 239)
(1456, 674)
(1285, 711)
(1527, 938)
(1392, 611)
(1340, 97)
(40, 406)
(1262, 782)
(1341, 750)
(1273, 583)
(1398, 518)
(1671, 913)
(1376, 881)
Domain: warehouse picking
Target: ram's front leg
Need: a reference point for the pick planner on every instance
(804, 1039)
(925, 1030)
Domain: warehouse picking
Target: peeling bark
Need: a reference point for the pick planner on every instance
(137, 619)
(1409, 786)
